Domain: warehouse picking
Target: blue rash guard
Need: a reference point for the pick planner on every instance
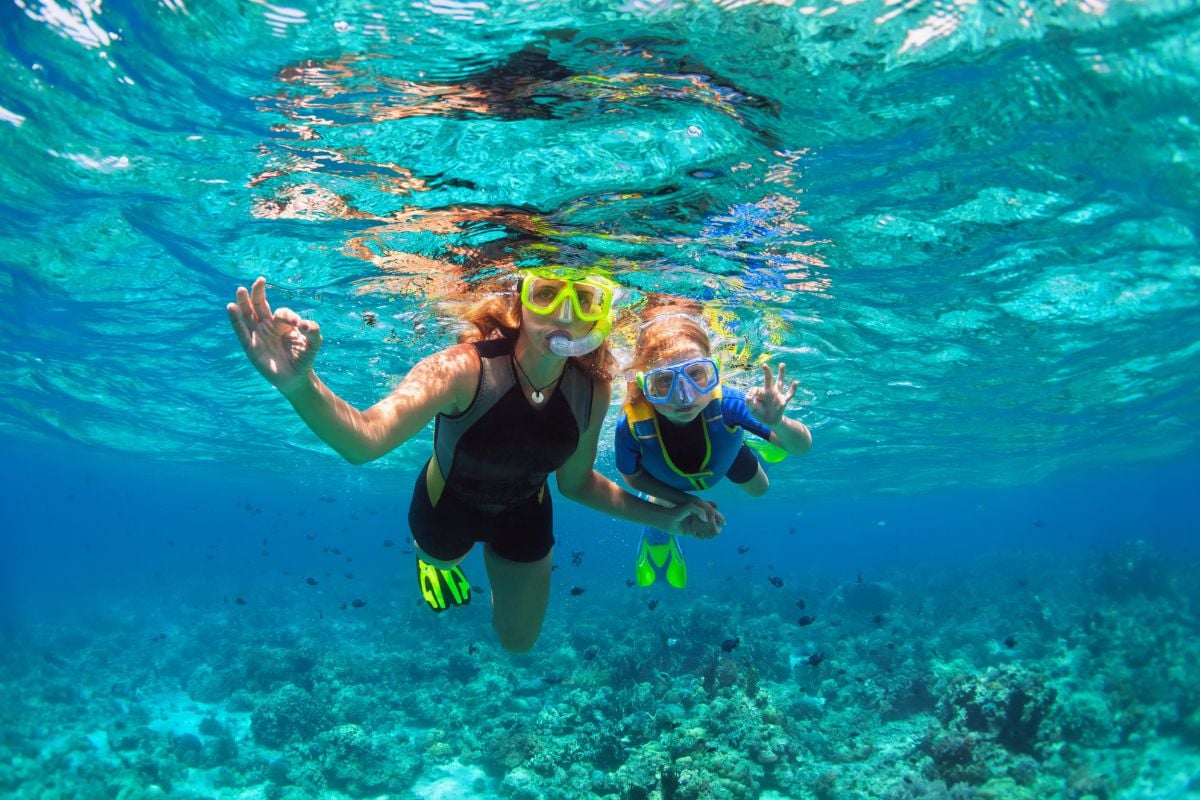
(702, 452)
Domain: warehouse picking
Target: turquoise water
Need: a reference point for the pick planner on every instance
(968, 229)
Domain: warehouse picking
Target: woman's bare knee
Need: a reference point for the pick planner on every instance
(517, 641)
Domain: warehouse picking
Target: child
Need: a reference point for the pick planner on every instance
(682, 431)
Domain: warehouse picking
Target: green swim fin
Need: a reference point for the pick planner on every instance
(443, 588)
(660, 559)
(770, 453)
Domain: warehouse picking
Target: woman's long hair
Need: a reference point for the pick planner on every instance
(498, 316)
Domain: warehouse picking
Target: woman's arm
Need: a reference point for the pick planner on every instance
(283, 348)
(440, 383)
(646, 483)
(579, 481)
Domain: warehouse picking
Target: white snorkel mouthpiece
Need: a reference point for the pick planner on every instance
(563, 345)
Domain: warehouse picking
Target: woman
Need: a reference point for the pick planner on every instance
(683, 431)
(522, 395)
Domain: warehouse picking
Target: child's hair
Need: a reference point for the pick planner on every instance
(664, 322)
(498, 316)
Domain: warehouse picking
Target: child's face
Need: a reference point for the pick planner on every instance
(685, 403)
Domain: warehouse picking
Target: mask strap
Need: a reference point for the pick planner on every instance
(680, 315)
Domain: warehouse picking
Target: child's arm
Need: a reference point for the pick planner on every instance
(766, 404)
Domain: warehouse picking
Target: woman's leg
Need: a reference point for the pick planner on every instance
(440, 563)
(520, 595)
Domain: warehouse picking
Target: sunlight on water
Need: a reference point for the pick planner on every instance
(914, 205)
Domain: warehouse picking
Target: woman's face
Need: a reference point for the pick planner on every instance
(538, 328)
(685, 403)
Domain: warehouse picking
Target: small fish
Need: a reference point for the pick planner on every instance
(775, 581)
(653, 604)
(815, 659)
(629, 583)
(1010, 642)
(472, 649)
(552, 679)
(590, 654)
(311, 536)
(742, 550)
(388, 543)
(577, 590)
(800, 604)
(158, 637)
(342, 607)
(860, 580)
(792, 531)
(335, 551)
(320, 615)
(1037, 523)
(241, 601)
(311, 581)
(348, 576)
(358, 603)
(877, 619)
(728, 645)
(806, 620)
(369, 319)
(1023, 582)
(577, 558)
(477, 589)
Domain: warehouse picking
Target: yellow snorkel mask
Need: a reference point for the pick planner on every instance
(546, 290)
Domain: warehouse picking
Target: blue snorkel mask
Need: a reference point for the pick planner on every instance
(661, 384)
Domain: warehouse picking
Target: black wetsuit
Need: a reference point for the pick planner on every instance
(495, 457)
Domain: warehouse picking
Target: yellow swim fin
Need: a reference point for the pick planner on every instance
(665, 559)
(443, 588)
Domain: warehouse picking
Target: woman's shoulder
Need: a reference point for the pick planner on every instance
(491, 348)
(457, 365)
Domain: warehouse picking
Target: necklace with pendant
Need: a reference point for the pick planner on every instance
(535, 394)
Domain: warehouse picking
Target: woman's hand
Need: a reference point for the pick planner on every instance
(698, 518)
(280, 345)
(767, 402)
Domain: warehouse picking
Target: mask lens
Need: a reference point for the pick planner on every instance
(703, 374)
(659, 383)
(591, 300)
(543, 294)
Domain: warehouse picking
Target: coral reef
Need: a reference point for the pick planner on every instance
(897, 690)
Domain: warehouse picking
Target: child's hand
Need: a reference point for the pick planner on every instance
(767, 402)
(697, 527)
